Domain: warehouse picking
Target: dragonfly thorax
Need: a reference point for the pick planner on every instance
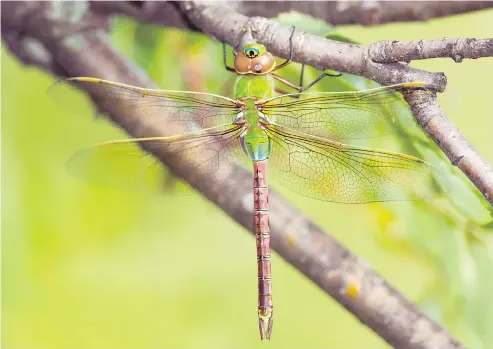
(255, 86)
(255, 143)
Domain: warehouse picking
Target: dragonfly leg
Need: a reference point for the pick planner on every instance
(320, 77)
(287, 61)
(228, 68)
(301, 88)
(282, 92)
(302, 74)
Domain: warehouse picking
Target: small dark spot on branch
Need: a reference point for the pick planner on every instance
(456, 160)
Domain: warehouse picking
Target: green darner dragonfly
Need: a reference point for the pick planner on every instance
(297, 134)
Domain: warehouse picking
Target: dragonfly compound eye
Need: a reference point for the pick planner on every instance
(253, 50)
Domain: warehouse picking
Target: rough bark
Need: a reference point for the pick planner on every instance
(406, 51)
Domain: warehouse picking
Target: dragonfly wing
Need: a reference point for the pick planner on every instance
(336, 172)
(193, 110)
(340, 115)
(124, 164)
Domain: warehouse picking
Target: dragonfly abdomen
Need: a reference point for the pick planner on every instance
(262, 234)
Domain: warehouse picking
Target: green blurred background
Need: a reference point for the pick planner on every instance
(91, 267)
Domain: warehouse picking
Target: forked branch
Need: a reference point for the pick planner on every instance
(321, 53)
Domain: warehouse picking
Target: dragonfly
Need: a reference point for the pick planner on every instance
(297, 134)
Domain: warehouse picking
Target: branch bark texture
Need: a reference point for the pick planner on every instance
(406, 51)
(323, 260)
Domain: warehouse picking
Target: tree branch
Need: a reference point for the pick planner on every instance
(457, 148)
(334, 12)
(362, 12)
(405, 51)
(323, 260)
(29, 50)
(157, 12)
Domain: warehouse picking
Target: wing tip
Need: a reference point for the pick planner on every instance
(83, 79)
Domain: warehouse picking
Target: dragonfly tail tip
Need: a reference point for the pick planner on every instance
(265, 326)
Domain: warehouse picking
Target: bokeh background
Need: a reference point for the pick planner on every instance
(85, 266)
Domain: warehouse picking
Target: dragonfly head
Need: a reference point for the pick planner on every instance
(254, 59)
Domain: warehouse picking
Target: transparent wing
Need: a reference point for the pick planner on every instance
(193, 110)
(336, 172)
(340, 115)
(127, 164)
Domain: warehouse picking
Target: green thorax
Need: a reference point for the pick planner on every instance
(249, 85)
(255, 141)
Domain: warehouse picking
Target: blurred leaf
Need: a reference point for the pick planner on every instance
(339, 37)
(304, 22)
(146, 40)
(488, 225)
